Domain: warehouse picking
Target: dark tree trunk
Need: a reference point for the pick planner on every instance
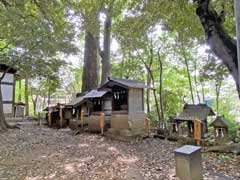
(20, 91)
(149, 80)
(153, 83)
(105, 54)
(90, 76)
(203, 93)
(26, 97)
(196, 83)
(218, 88)
(34, 108)
(161, 85)
(34, 101)
(49, 99)
(148, 92)
(189, 76)
(3, 126)
(44, 102)
(223, 46)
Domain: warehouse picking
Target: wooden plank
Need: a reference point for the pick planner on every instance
(197, 131)
(81, 118)
(49, 118)
(147, 126)
(101, 121)
(61, 117)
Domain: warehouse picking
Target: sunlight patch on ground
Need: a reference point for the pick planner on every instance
(89, 158)
(113, 150)
(128, 160)
(83, 145)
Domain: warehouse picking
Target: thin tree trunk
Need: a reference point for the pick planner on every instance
(237, 19)
(49, 98)
(20, 91)
(148, 92)
(3, 126)
(106, 66)
(44, 102)
(153, 85)
(218, 87)
(149, 80)
(26, 97)
(34, 101)
(160, 86)
(188, 72)
(195, 80)
(203, 93)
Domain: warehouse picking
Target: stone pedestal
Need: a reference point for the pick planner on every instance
(188, 163)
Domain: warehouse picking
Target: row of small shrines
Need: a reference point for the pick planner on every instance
(118, 108)
(122, 103)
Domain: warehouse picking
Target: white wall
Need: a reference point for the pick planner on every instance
(7, 92)
(8, 77)
(7, 108)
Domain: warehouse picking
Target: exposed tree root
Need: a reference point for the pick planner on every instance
(232, 148)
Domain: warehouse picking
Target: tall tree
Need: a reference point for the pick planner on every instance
(221, 43)
(105, 53)
(91, 67)
(217, 72)
(33, 31)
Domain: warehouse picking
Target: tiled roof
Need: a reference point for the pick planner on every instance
(192, 112)
(95, 94)
(220, 121)
(128, 83)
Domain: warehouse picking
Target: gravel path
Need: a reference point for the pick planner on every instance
(38, 153)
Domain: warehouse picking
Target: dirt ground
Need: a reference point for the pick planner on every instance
(38, 153)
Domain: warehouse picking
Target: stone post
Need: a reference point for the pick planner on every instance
(188, 163)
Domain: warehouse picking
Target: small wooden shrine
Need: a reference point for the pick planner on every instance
(19, 109)
(73, 109)
(221, 127)
(8, 89)
(55, 116)
(124, 103)
(97, 101)
(118, 102)
(189, 114)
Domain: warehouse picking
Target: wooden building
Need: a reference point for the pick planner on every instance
(55, 116)
(124, 104)
(8, 89)
(121, 101)
(73, 109)
(193, 112)
(97, 100)
(221, 127)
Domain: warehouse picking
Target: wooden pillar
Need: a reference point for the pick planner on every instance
(215, 133)
(61, 116)
(49, 118)
(147, 126)
(81, 118)
(197, 131)
(39, 119)
(101, 122)
(77, 114)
